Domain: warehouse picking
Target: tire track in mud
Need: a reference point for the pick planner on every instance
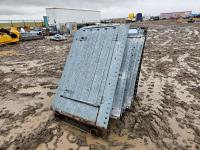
(165, 114)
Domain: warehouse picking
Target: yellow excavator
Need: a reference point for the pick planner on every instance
(9, 36)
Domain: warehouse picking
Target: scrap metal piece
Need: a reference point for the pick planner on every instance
(126, 85)
(58, 37)
(33, 35)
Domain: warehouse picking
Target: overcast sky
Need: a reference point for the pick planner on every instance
(35, 9)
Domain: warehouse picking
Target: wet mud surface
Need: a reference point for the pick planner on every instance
(164, 115)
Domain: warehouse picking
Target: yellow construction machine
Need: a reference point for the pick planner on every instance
(131, 17)
(196, 18)
(9, 36)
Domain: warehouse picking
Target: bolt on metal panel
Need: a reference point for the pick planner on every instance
(100, 74)
(91, 73)
(113, 74)
(129, 70)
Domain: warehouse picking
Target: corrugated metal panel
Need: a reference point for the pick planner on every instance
(129, 71)
(100, 75)
(131, 86)
(89, 79)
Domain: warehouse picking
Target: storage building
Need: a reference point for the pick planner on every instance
(58, 16)
(175, 15)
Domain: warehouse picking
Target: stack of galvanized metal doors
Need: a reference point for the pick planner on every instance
(100, 75)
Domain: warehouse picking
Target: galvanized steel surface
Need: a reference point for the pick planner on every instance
(90, 85)
(129, 72)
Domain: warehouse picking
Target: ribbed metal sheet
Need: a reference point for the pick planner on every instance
(87, 86)
(129, 72)
(101, 74)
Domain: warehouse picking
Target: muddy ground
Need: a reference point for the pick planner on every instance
(165, 114)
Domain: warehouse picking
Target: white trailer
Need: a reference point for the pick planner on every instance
(58, 16)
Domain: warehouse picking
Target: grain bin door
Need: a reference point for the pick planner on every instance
(86, 73)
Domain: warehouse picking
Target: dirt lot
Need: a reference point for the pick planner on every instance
(165, 114)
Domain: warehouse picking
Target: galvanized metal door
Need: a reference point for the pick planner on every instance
(89, 79)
